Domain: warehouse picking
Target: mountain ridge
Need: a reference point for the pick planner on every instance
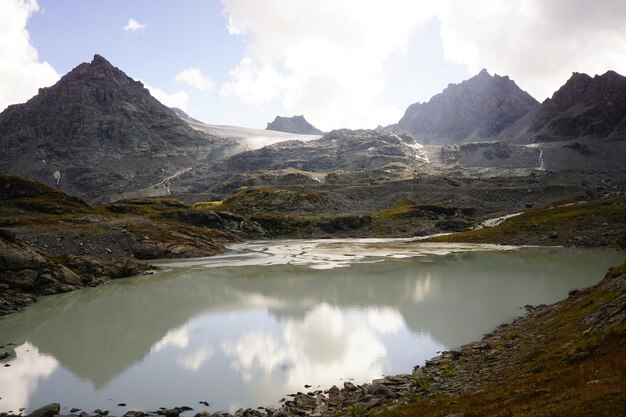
(584, 107)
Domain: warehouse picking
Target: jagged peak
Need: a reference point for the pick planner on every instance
(99, 60)
(578, 76)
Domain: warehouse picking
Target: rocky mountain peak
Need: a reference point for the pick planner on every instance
(100, 60)
(85, 126)
(584, 107)
(294, 124)
(476, 109)
(572, 90)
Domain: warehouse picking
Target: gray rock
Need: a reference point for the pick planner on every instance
(46, 411)
(381, 390)
(295, 124)
(349, 386)
(371, 403)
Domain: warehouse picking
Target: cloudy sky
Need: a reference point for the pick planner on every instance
(341, 63)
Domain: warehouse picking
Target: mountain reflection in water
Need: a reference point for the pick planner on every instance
(247, 335)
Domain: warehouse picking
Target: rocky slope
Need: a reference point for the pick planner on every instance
(584, 107)
(339, 149)
(294, 124)
(97, 133)
(52, 242)
(476, 109)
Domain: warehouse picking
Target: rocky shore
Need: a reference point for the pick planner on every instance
(561, 359)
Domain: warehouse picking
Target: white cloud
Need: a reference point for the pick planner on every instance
(21, 72)
(178, 99)
(134, 26)
(253, 84)
(20, 380)
(178, 338)
(196, 79)
(193, 361)
(328, 343)
(538, 43)
(326, 59)
(385, 320)
(321, 58)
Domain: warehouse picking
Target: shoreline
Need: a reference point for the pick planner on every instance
(468, 371)
(72, 272)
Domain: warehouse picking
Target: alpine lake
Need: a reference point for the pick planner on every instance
(247, 328)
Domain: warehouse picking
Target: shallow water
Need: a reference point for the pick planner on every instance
(244, 329)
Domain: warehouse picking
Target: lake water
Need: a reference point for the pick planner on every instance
(247, 328)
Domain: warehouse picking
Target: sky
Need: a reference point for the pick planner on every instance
(340, 63)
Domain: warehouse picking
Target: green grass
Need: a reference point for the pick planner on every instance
(569, 221)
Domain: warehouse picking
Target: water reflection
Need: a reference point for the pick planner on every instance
(20, 380)
(245, 336)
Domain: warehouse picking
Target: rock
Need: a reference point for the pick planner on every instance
(172, 412)
(134, 414)
(371, 403)
(295, 124)
(553, 235)
(75, 410)
(349, 386)
(381, 390)
(335, 396)
(304, 401)
(46, 411)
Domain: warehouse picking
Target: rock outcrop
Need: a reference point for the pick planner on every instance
(97, 133)
(294, 124)
(476, 109)
(25, 274)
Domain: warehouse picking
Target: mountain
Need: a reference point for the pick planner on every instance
(295, 124)
(584, 107)
(474, 110)
(180, 113)
(97, 133)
